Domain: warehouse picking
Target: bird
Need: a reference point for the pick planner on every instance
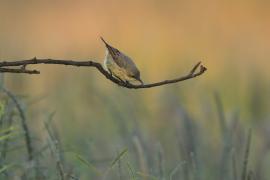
(120, 65)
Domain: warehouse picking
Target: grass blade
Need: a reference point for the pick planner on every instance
(88, 164)
(147, 176)
(6, 167)
(120, 155)
(131, 171)
(246, 156)
(177, 168)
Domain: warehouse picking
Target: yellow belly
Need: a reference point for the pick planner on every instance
(116, 70)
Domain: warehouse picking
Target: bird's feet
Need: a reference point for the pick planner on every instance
(124, 83)
(127, 83)
(110, 72)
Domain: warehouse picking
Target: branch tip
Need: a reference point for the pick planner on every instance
(195, 68)
(203, 68)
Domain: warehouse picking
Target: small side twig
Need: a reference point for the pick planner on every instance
(195, 68)
(9, 70)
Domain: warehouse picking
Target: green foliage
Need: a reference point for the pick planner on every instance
(5, 168)
(88, 164)
(177, 145)
(2, 108)
(118, 157)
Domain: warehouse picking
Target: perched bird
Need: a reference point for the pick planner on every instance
(120, 65)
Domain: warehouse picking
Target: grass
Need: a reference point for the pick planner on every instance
(182, 148)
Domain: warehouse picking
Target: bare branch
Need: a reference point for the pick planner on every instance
(98, 66)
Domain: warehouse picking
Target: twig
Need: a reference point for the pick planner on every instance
(98, 66)
(2, 70)
(195, 68)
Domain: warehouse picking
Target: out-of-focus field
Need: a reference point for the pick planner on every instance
(197, 129)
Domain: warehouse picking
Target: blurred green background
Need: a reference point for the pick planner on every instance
(192, 130)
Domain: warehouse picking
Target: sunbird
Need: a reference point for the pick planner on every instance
(120, 65)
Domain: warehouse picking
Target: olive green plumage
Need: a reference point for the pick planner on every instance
(120, 65)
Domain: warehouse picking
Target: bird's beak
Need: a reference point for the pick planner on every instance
(103, 40)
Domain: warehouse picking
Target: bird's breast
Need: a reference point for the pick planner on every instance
(116, 70)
